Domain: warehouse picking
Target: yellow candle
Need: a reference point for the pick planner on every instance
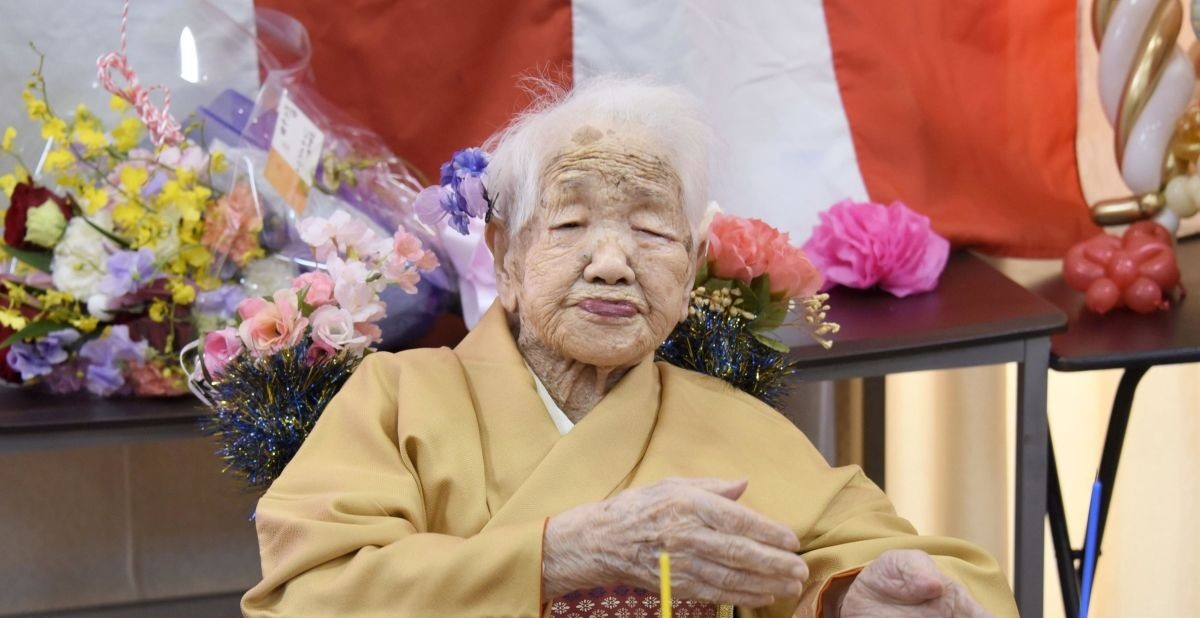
(664, 577)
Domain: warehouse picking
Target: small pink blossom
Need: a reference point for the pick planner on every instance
(861, 245)
(221, 347)
(318, 353)
(320, 287)
(354, 292)
(269, 327)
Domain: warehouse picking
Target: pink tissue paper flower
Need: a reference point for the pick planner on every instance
(863, 244)
(744, 249)
(221, 347)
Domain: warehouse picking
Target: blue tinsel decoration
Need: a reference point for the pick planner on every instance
(263, 409)
(720, 344)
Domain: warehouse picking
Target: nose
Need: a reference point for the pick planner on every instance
(609, 263)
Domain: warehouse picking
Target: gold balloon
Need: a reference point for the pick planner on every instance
(1101, 12)
(1128, 209)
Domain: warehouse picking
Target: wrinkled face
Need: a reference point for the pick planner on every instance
(602, 271)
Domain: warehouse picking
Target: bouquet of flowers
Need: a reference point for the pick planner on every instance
(268, 378)
(111, 251)
(751, 282)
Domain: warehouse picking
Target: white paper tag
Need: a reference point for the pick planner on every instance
(295, 152)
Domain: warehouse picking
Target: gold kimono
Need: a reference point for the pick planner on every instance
(425, 487)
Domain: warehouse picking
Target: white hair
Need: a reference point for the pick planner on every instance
(668, 115)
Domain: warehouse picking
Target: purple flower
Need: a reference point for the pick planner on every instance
(65, 378)
(127, 271)
(36, 358)
(221, 302)
(460, 194)
(103, 375)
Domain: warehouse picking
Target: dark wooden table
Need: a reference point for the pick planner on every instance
(976, 316)
(1124, 340)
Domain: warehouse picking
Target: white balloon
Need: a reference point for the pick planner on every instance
(1168, 219)
(1147, 148)
(1121, 38)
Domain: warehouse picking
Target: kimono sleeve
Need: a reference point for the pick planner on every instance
(343, 531)
(860, 523)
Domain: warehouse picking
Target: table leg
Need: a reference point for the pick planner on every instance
(874, 439)
(1114, 438)
(1068, 575)
(1032, 451)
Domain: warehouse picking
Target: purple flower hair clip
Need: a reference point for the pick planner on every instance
(460, 193)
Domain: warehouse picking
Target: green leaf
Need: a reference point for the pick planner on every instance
(33, 330)
(717, 284)
(771, 317)
(701, 274)
(774, 344)
(37, 259)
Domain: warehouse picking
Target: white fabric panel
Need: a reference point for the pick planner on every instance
(765, 72)
(193, 46)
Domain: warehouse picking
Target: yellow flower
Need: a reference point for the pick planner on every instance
(187, 178)
(54, 128)
(219, 162)
(158, 310)
(127, 133)
(85, 323)
(181, 292)
(94, 198)
(59, 159)
(208, 282)
(45, 224)
(53, 298)
(118, 104)
(196, 256)
(8, 182)
(9, 135)
(12, 318)
(34, 106)
(133, 178)
(93, 140)
(127, 214)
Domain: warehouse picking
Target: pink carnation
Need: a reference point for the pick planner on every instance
(221, 347)
(861, 245)
(744, 249)
(150, 380)
(320, 287)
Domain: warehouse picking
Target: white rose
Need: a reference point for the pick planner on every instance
(81, 258)
(334, 327)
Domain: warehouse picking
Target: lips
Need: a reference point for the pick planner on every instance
(609, 308)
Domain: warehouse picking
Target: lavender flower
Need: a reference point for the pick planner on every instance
(127, 271)
(103, 375)
(65, 378)
(36, 358)
(221, 302)
(460, 194)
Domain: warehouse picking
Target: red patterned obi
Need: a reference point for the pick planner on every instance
(626, 602)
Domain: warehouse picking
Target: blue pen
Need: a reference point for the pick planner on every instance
(1089, 551)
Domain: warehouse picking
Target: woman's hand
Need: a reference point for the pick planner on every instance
(721, 551)
(905, 583)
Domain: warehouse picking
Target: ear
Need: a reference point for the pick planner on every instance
(507, 279)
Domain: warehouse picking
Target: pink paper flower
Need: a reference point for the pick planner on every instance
(221, 347)
(743, 249)
(269, 327)
(861, 245)
(320, 287)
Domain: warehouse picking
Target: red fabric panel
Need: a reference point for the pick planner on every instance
(966, 111)
(431, 76)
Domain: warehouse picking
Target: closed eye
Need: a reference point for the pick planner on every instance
(569, 225)
(655, 233)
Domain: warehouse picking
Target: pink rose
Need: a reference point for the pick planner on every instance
(320, 287)
(734, 251)
(791, 273)
(861, 245)
(334, 327)
(268, 327)
(221, 347)
(318, 353)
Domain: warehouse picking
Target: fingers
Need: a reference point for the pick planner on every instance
(696, 570)
(731, 490)
(739, 553)
(907, 577)
(732, 518)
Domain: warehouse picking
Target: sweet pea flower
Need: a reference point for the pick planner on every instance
(319, 285)
(127, 272)
(269, 327)
(221, 347)
(353, 292)
(37, 358)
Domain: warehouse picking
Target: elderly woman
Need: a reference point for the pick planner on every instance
(540, 467)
